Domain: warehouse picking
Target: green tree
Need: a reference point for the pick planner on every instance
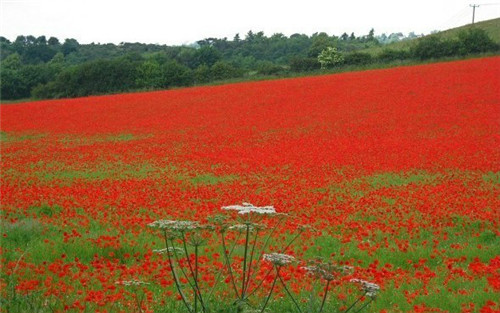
(175, 74)
(202, 74)
(149, 75)
(207, 55)
(70, 45)
(330, 57)
(12, 62)
(475, 40)
(358, 58)
(13, 85)
(371, 35)
(222, 70)
(319, 43)
(53, 41)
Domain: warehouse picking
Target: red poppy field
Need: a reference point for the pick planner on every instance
(397, 171)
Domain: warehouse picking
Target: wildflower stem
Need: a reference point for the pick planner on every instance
(176, 280)
(271, 291)
(247, 236)
(221, 271)
(288, 292)
(365, 305)
(138, 301)
(180, 265)
(196, 277)
(262, 252)
(355, 302)
(269, 238)
(291, 242)
(251, 259)
(196, 288)
(324, 296)
(228, 264)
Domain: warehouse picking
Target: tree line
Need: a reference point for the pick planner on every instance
(42, 68)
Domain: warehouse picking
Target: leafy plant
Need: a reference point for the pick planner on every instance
(249, 235)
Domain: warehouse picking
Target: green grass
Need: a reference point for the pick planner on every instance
(35, 242)
(492, 177)
(10, 137)
(210, 179)
(103, 171)
(7, 102)
(359, 187)
(78, 140)
(400, 179)
(491, 27)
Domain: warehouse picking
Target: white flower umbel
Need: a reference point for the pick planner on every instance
(369, 288)
(279, 259)
(174, 225)
(247, 208)
(170, 250)
(133, 282)
(318, 272)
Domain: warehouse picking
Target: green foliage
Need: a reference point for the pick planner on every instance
(492, 177)
(206, 55)
(475, 40)
(268, 68)
(319, 43)
(95, 77)
(46, 68)
(13, 85)
(330, 57)
(358, 58)
(389, 55)
(222, 70)
(175, 74)
(69, 46)
(149, 75)
(299, 64)
(22, 232)
(210, 179)
(12, 62)
(202, 74)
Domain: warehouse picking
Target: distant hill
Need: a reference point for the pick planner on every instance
(491, 27)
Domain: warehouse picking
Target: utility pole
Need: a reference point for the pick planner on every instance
(474, 6)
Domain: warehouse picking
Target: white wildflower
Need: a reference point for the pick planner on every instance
(319, 272)
(239, 227)
(174, 225)
(168, 250)
(279, 259)
(346, 269)
(369, 288)
(133, 282)
(247, 208)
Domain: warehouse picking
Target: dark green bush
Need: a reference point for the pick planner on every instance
(223, 70)
(268, 68)
(434, 47)
(299, 64)
(475, 40)
(389, 55)
(358, 58)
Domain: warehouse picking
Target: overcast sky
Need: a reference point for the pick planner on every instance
(185, 21)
